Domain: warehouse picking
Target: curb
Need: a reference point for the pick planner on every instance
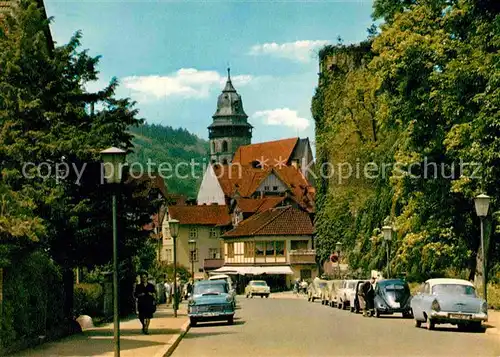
(174, 341)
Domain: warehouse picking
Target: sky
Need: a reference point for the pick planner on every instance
(172, 56)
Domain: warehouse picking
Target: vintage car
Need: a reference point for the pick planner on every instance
(210, 301)
(392, 296)
(449, 301)
(315, 289)
(354, 303)
(227, 279)
(344, 293)
(257, 288)
(333, 292)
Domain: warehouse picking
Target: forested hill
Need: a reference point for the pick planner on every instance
(170, 147)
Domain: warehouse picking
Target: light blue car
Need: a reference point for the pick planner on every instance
(211, 301)
(449, 301)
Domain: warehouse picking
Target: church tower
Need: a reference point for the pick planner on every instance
(230, 128)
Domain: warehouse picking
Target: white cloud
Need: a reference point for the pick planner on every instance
(301, 51)
(186, 83)
(282, 116)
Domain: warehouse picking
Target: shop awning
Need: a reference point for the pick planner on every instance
(255, 270)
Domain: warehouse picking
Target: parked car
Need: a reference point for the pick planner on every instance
(354, 304)
(452, 301)
(211, 301)
(333, 293)
(344, 293)
(392, 296)
(314, 290)
(227, 279)
(258, 288)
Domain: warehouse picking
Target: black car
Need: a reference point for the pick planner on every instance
(392, 296)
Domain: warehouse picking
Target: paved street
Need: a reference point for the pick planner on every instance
(295, 327)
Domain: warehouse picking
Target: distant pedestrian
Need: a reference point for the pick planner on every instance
(145, 293)
(168, 291)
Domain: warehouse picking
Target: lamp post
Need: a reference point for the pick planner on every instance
(387, 230)
(113, 159)
(482, 203)
(192, 248)
(338, 249)
(173, 226)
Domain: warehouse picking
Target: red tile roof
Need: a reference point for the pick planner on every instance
(275, 221)
(242, 179)
(253, 205)
(272, 151)
(202, 215)
(245, 180)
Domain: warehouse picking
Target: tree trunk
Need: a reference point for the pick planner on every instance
(68, 285)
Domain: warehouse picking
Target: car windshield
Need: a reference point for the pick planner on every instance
(322, 285)
(206, 289)
(454, 289)
(259, 283)
(395, 287)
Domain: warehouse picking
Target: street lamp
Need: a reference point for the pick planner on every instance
(173, 226)
(113, 159)
(387, 230)
(192, 249)
(338, 249)
(482, 203)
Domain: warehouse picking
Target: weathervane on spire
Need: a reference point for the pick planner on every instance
(228, 72)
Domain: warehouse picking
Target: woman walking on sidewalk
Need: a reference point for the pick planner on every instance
(145, 293)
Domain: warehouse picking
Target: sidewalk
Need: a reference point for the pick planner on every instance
(287, 295)
(165, 332)
(493, 324)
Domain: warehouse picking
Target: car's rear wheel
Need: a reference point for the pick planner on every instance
(230, 320)
(193, 322)
(418, 323)
(351, 309)
(340, 305)
(267, 296)
(377, 313)
(475, 326)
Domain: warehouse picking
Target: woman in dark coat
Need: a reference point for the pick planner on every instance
(146, 295)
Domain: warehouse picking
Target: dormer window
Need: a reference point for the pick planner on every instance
(256, 164)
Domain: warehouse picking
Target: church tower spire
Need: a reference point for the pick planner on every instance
(230, 128)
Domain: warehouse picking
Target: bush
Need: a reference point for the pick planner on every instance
(89, 300)
(33, 298)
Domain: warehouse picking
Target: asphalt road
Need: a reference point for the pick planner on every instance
(288, 327)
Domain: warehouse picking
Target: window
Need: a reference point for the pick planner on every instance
(194, 255)
(299, 244)
(168, 255)
(267, 249)
(279, 248)
(230, 250)
(249, 249)
(193, 232)
(259, 249)
(213, 232)
(305, 274)
(275, 188)
(266, 188)
(224, 162)
(214, 253)
(224, 146)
